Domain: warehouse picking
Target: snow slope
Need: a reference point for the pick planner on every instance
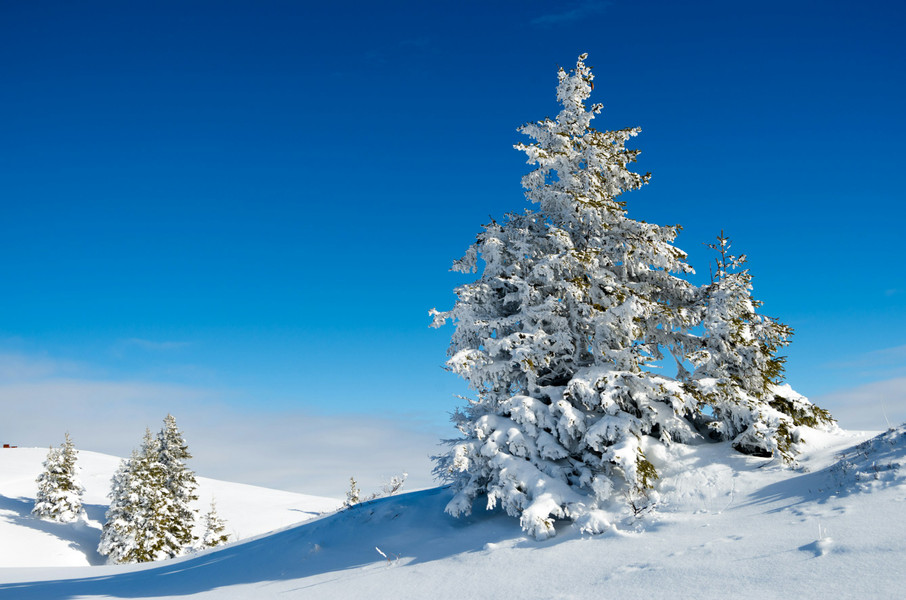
(726, 525)
(26, 541)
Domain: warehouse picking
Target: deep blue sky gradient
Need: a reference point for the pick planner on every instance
(264, 197)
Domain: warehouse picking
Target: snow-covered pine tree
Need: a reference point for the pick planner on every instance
(120, 532)
(179, 484)
(149, 517)
(739, 373)
(558, 335)
(136, 527)
(353, 494)
(60, 490)
(156, 538)
(214, 528)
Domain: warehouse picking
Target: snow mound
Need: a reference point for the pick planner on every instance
(874, 463)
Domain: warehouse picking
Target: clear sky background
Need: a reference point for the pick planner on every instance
(241, 212)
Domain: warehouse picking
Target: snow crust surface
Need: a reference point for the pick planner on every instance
(725, 525)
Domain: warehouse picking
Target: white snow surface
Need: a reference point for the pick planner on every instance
(726, 525)
(26, 541)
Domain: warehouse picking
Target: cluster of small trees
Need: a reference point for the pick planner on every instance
(564, 333)
(150, 516)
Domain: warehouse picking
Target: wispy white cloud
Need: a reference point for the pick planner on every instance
(104, 415)
(896, 354)
(873, 406)
(882, 364)
(579, 11)
(154, 346)
(19, 367)
(286, 449)
(314, 453)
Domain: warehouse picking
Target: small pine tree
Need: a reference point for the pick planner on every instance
(60, 490)
(739, 373)
(132, 532)
(353, 494)
(119, 536)
(179, 484)
(214, 528)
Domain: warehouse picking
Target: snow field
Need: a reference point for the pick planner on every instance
(725, 525)
(26, 541)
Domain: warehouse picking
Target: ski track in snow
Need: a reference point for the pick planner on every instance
(726, 525)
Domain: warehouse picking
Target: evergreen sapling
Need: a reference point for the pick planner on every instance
(60, 490)
(214, 528)
(353, 494)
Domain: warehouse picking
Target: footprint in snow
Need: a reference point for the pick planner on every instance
(633, 568)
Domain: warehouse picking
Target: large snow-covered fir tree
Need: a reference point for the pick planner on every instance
(576, 301)
(179, 483)
(563, 334)
(60, 490)
(738, 372)
(149, 517)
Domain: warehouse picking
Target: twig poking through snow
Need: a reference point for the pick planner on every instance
(396, 557)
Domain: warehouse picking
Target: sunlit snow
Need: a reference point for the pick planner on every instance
(726, 525)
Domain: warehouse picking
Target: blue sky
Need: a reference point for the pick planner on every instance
(257, 203)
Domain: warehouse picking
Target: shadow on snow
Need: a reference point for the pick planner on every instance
(411, 528)
(79, 535)
(870, 464)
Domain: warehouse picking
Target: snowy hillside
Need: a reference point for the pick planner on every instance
(726, 525)
(27, 541)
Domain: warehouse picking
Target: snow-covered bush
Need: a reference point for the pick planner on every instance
(562, 335)
(59, 496)
(394, 485)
